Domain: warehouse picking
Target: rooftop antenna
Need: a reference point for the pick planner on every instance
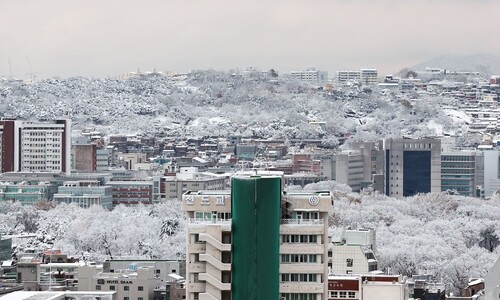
(10, 69)
(31, 69)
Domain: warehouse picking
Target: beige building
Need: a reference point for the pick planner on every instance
(60, 295)
(189, 179)
(373, 287)
(128, 284)
(355, 254)
(38, 276)
(303, 241)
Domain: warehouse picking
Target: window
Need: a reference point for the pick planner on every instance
(126, 298)
(140, 298)
(97, 287)
(349, 262)
(111, 287)
(126, 288)
(140, 288)
(342, 294)
(196, 240)
(351, 294)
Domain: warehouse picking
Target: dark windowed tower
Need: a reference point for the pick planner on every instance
(412, 166)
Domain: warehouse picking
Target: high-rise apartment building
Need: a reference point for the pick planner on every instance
(35, 146)
(256, 242)
(412, 166)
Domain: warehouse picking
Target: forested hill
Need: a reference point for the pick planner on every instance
(220, 103)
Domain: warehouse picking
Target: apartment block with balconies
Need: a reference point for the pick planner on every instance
(256, 233)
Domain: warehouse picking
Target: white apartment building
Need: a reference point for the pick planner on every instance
(348, 76)
(283, 246)
(311, 75)
(36, 146)
(355, 254)
(369, 76)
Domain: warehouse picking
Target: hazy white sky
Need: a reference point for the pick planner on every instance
(110, 37)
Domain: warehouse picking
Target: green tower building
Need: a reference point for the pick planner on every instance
(256, 235)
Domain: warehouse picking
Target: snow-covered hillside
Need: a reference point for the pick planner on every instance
(220, 103)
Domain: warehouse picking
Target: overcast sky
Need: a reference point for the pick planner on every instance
(106, 37)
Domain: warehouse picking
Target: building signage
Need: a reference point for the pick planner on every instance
(314, 200)
(343, 285)
(102, 281)
(189, 199)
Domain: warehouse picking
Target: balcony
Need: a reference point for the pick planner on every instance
(214, 242)
(207, 296)
(197, 267)
(215, 282)
(200, 222)
(302, 221)
(302, 287)
(196, 287)
(215, 262)
(301, 226)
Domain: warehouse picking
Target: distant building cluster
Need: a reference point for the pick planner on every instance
(49, 165)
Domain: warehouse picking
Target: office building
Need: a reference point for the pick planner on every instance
(132, 192)
(349, 166)
(36, 146)
(256, 242)
(103, 159)
(27, 193)
(462, 172)
(61, 295)
(491, 172)
(163, 269)
(85, 193)
(189, 179)
(5, 248)
(412, 166)
(84, 157)
(135, 284)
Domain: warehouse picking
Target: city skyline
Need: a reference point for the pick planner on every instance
(60, 38)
